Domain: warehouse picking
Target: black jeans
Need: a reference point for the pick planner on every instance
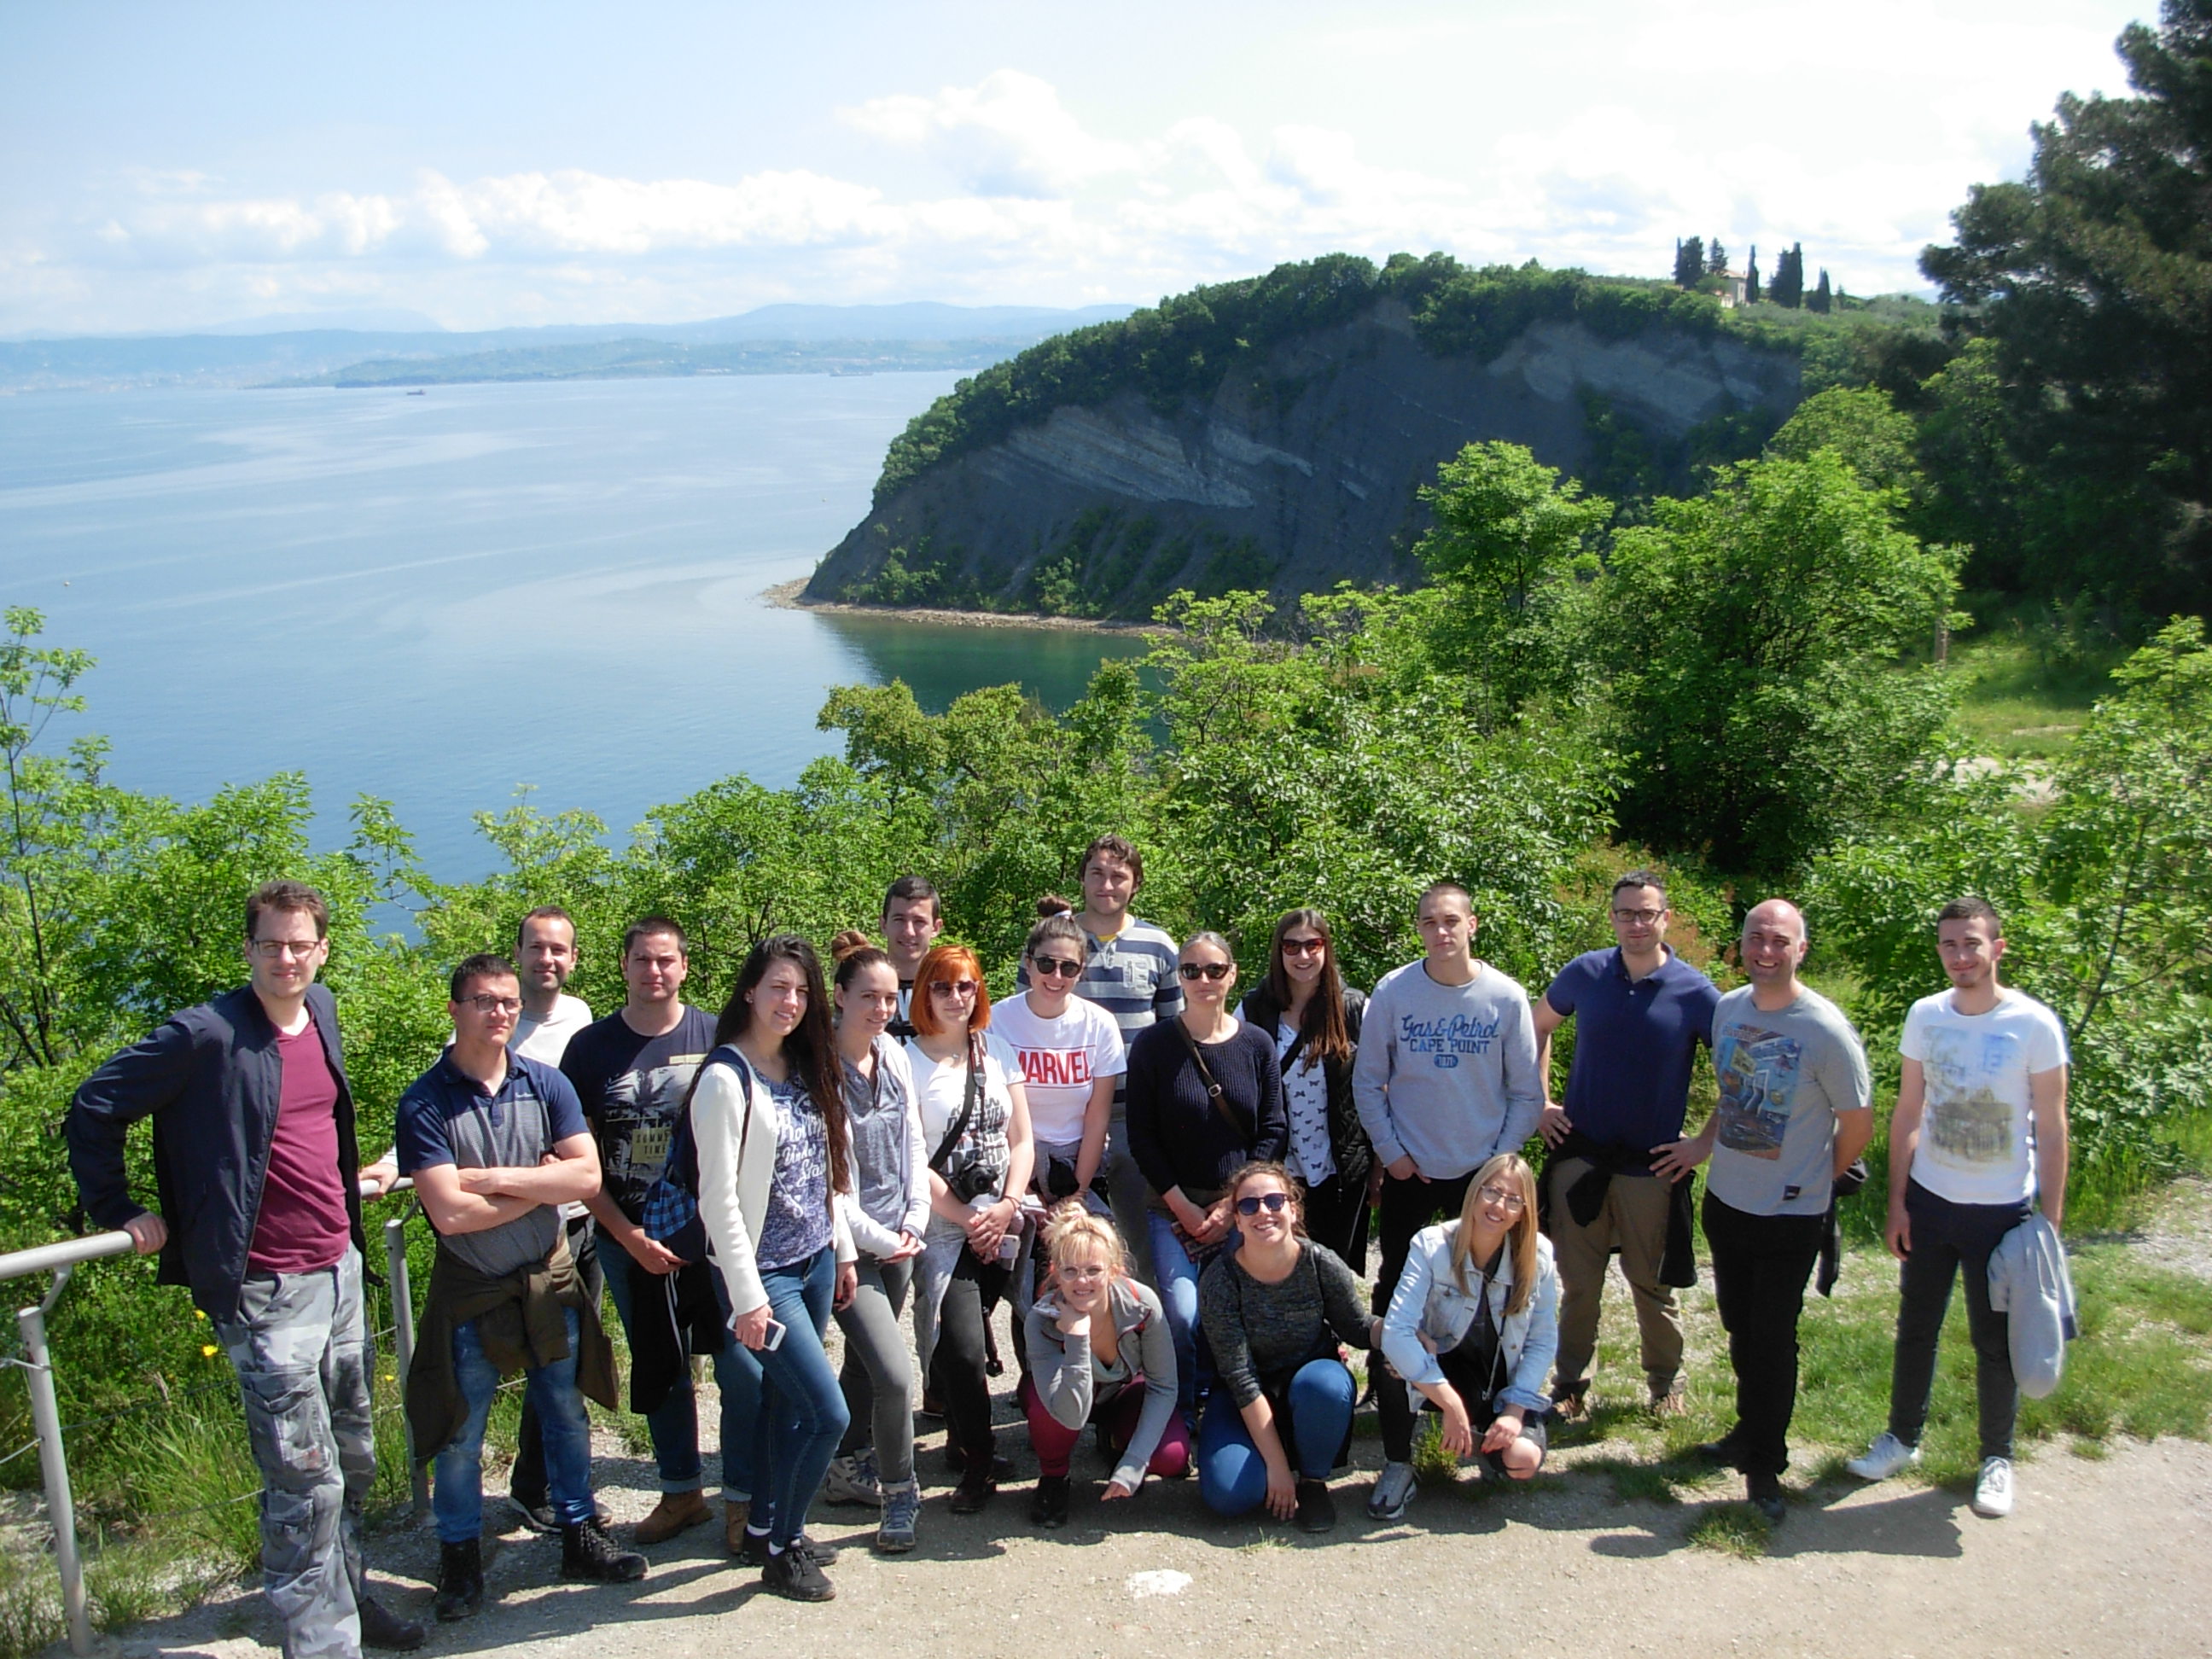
(1948, 1239)
(957, 1376)
(1408, 1206)
(1761, 1265)
(1471, 1380)
(526, 1481)
(1336, 1215)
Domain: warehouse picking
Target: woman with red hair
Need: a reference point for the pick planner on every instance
(976, 1122)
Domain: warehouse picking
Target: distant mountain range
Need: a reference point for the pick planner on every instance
(773, 339)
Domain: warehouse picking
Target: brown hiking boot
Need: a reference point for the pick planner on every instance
(1571, 1405)
(1669, 1401)
(676, 1511)
(734, 1516)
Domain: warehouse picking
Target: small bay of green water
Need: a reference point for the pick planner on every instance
(437, 598)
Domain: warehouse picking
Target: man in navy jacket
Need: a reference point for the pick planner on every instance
(256, 1171)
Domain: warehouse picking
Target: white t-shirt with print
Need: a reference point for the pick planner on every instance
(1977, 1132)
(1058, 1060)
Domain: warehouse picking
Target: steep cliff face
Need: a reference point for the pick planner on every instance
(1296, 474)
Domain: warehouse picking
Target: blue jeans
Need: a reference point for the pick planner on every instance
(457, 1500)
(1177, 1281)
(674, 1424)
(801, 1415)
(1233, 1476)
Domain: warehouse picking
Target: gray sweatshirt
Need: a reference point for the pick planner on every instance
(1447, 1073)
(1060, 1368)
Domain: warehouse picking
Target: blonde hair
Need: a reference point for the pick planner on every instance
(1506, 1169)
(1071, 1229)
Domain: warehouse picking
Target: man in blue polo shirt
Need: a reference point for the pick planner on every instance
(1640, 1013)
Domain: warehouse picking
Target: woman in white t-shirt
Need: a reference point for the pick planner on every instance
(1071, 1057)
(976, 1122)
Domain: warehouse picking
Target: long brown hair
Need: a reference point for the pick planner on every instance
(1275, 1172)
(1327, 1037)
(1508, 1169)
(810, 1049)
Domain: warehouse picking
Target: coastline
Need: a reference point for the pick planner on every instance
(790, 596)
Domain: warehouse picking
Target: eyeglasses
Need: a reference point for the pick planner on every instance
(271, 950)
(1272, 1202)
(1649, 918)
(1213, 970)
(1055, 967)
(1502, 1198)
(1069, 1270)
(487, 1003)
(1305, 947)
(952, 987)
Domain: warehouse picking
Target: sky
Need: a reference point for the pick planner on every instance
(169, 165)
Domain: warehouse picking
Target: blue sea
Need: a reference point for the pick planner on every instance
(439, 599)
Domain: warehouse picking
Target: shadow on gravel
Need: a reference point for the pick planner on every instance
(1924, 1524)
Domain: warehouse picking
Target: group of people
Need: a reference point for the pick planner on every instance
(1170, 1187)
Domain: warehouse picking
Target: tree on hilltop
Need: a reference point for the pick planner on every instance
(1689, 261)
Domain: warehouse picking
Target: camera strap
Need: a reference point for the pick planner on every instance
(967, 1107)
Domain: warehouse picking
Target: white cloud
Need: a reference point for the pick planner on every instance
(1009, 135)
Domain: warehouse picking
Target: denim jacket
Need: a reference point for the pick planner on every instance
(1428, 1302)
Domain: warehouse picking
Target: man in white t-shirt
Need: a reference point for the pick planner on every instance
(1980, 1130)
(1071, 1059)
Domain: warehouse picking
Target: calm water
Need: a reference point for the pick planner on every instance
(437, 598)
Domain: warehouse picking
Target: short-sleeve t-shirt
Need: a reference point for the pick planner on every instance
(303, 1225)
(1784, 1076)
(1635, 1040)
(446, 1117)
(1058, 1060)
(1977, 1133)
(940, 1088)
(630, 1087)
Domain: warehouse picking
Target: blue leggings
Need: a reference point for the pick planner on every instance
(1233, 1476)
(801, 1415)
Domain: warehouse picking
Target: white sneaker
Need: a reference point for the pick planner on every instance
(1993, 1489)
(1884, 1458)
(1393, 1491)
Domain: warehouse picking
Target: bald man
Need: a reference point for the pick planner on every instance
(1796, 1109)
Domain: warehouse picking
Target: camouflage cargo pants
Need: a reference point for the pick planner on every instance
(300, 1347)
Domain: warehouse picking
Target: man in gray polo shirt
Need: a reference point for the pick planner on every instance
(1796, 1108)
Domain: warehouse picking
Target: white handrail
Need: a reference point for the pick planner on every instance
(94, 1247)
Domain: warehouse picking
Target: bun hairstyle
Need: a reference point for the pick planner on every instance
(1051, 904)
(853, 951)
(1071, 1227)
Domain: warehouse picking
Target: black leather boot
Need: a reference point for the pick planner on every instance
(460, 1580)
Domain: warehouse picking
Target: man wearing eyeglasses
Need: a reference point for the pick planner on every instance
(1445, 1077)
(254, 1158)
(1640, 1013)
(496, 1144)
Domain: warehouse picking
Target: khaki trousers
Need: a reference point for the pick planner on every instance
(1633, 1221)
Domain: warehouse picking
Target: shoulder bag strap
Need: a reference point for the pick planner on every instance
(1214, 1090)
(972, 1093)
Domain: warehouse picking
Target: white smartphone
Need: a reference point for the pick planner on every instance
(773, 1339)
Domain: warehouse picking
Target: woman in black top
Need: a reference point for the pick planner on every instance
(1314, 1017)
(1205, 1098)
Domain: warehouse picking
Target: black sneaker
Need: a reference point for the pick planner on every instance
(586, 1551)
(381, 1627)
(973, 1493)
(1048, 1507)
(460, 1580)
(1766, 1493)
(1722, 1453)
(794, 1575)
(956, 1463)
(1316, 1508)
(754, 1552)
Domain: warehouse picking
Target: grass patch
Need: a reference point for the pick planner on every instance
(1734, 1529)
(2024, 691)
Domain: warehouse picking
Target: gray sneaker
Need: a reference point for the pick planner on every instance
(853, 1479)
(1886, 1457)
(1993, 1488)
(901, 1506)
(1393, 1491)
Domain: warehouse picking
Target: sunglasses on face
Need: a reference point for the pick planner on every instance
(1054, 967)
(1272, 1202)
(953, 987)
(1212, 970)
(1305, 947)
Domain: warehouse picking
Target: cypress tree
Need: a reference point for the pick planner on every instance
(1820, 302)
(1716, 258)
(1751, 278)
(1689, 262)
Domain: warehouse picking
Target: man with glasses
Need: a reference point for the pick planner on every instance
(254, 1154)
(632, 1071)
(913, 917)
(1129, 971)
(496, 1144)
(1640, 1013)
(1445, 1077)
(1796, 1109)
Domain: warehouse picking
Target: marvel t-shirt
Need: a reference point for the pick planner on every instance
(1060, 1059)
(630, 1087)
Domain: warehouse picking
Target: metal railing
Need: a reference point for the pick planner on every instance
(62, 1260)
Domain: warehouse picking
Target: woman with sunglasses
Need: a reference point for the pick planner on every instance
(1205, 1098)
(888, 1213)
(1471, 1328)
(1274, 1308)
(1314, 1017)
(1071, 1060)
(1099, 1351)
(975, 1123)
